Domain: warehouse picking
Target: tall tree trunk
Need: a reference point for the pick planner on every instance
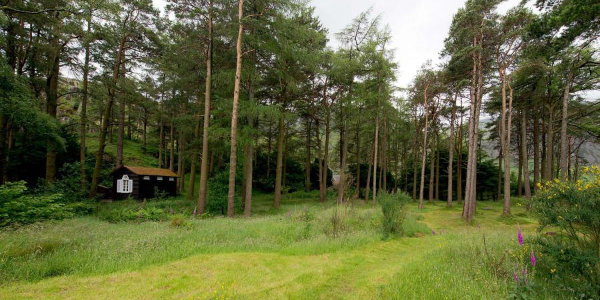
(459, 158)
(424, 154)
(307, 157)
(437, 169)
(51, 105)
(505, 141)
(106, 116)
(375, 148)
(121, 131)
(202, 186)
(234, 115)
(415, 154)
(249, 154)
(431, 188)
(145, 130)
(550, 145)
(451, 151)
(279, 167)
(194, 158)
(358, 161)
(384, 158)
(83, 116)
(524, 153)
(499, 178)
(319, 152)
(369, 175)
(172, 150)
(3, 150)
(536, 152)
(161, 142)
(323, 188)
(520, 171)
(564, 151)
(180, 160)
(475, 108)
(344, 148)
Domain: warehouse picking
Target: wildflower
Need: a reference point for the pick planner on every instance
(515, 277)
(433, 232)
(520, 237)
(532, 257)
(195, 207)
(140, 215)
(552, 271)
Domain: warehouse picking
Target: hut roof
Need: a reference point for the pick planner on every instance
(149, 171)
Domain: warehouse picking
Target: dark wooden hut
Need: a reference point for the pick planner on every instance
(142, 183)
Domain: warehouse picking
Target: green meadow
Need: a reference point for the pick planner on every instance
(304, 250)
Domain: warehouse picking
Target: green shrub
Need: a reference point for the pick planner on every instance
(336, 223)
(218, 187)
(571, 209)
(393, 207)
(18, 207)
(178, 221)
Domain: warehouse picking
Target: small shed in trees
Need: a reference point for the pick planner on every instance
(142, 183)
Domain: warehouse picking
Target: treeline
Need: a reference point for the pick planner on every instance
(526, 71)
(250, 94)
(169, 82)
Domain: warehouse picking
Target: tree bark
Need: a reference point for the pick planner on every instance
(358, 161)
(83, 116)
(550, 145)
(307, 157)
(536, 152)
(505, 131)
(161, 141)
(323, 188)
(451, 152)
(367, 191)
(475, 108)
(249, 155)
(384, 158)
(564, 146)
(172, 150)
(376, 146)
(234, 114)
(524, 154)
(431, 188)
(279, 167)
(202, 185)
(51, 105)
(424, 154)
(121, 132)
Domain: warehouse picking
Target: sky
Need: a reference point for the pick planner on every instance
(418, 27)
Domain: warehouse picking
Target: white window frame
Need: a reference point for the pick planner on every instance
(124, 185)
(159, 178)
(146, 177)
(171, 179)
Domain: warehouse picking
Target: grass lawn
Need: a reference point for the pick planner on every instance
(293, 252)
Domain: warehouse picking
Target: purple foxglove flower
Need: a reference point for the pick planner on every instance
(433, 232)
(533, 261)
(515, 277)
(140, 216)
(195, 210)
(520, 236)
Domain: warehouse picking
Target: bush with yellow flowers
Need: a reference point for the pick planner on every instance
(569, 213)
